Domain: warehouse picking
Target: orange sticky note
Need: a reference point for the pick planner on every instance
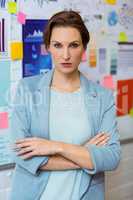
(21, 18)
(4, 120)
(112, 2)
(108, 82)
(16, 50)
(92, 58)
(12, 7)
(84, 57)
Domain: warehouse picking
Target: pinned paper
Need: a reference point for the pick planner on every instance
(131, 112)
(93, 58)
(12, 7)
(102, 57)
(84, 59)
(4, 120)
(112, 2)
(123, 37)
(112, 18)
(16, 50)
(124, 97)
(21, 18)
(113, 61)
(108, 82)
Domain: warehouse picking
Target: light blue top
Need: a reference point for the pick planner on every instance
(68, 123)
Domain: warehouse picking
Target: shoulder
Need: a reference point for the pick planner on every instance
(99, 89)
(104, 96)
(32, 83)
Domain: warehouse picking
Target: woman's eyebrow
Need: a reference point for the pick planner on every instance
(69, 42)
(54, 41)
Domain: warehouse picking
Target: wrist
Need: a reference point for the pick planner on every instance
(58, 147)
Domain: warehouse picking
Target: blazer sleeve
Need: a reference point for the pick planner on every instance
(20, 128)
(106, 157)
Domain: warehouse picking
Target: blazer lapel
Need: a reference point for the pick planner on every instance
(92, 103)
(43, 109)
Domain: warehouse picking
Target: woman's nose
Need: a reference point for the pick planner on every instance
(66, 54)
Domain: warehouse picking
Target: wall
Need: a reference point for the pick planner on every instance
(108, 25)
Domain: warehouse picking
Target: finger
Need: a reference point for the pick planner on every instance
(28, 155)
(101, 139)
(104, 142)
(98, 138)
(22, 145)
(99, 135)
(25, 140)
(24, 151)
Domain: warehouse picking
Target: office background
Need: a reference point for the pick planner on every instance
(108, 60)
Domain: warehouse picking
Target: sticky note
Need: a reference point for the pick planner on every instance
(112, 2)
(12, 7)
(84, 57)
(21, 18)
(92, 58)
(108, 82)
(123, 37)
(4, 120)
(16, 50)
(131, 112)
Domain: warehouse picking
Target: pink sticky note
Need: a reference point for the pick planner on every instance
(84, 57)
(21, 18)
(4, 120)
(108, 82)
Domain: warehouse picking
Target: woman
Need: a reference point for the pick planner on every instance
(63, 125)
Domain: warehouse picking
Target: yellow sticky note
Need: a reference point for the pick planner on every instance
(123, 37)
(112, 2)
(12, 7)
(16, 50)
(131, 112)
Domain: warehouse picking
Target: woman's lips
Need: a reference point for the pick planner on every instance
(66, 64)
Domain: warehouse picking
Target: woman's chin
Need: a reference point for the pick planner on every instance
(67, 70)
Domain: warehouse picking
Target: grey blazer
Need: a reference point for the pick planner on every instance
(30, 118)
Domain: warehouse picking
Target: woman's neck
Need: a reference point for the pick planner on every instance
(66, 82)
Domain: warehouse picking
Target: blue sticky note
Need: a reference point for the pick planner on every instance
(4, 82)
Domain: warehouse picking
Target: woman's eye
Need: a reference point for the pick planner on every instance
(74, 45)
(57, 45)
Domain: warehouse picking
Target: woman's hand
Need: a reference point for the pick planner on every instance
(34, 146)
(100, 139)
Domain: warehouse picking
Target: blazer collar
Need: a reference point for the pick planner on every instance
(86, 84)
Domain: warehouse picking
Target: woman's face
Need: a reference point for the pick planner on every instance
(66, 49)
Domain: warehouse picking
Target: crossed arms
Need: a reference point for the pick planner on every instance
(62, 156)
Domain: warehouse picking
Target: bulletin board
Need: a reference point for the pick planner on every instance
(108, 59)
